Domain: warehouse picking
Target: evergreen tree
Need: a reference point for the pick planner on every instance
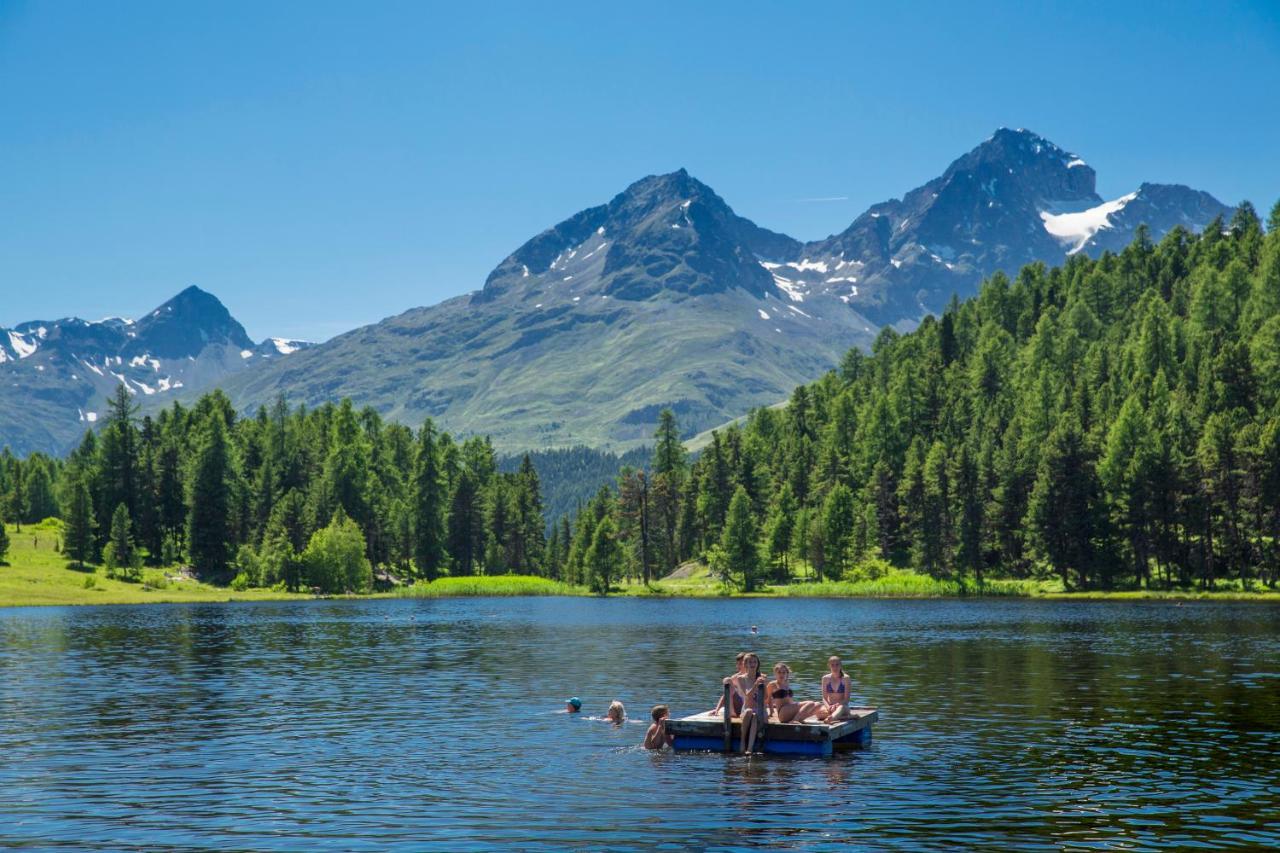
(80, 525)
(604, 556)
(209, 503)
(779, 532)
(119, 553)
(466, 539)
(739, 541)
(429, 505)
(838, 516)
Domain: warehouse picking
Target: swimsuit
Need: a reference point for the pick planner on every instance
(782, 693)
(831, 689)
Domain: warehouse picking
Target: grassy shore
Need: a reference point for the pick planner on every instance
(37, 574)
(697, 582)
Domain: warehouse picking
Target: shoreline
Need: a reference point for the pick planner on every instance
(524, 586)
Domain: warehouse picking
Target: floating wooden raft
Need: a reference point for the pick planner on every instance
(709, 731)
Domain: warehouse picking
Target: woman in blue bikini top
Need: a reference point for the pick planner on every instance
(836, 687)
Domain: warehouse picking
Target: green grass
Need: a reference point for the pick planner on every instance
(501, 585)
(37, 574)
(900, 583)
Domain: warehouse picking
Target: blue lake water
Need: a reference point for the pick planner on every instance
(398, 724)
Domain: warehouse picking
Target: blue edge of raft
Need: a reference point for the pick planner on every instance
(705, 732)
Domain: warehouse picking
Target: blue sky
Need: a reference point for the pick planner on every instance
(323, 165)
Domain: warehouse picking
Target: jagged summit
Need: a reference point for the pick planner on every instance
(55, 375)
(664, 235)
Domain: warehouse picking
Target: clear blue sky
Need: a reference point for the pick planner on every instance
(323, 165)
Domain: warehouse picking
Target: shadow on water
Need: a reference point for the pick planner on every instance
(437, 723)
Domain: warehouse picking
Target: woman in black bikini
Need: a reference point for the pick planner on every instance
(783, 702)
(835, 690)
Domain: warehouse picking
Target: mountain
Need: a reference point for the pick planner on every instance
(664, 297)
(1014, 199)
(56, 374)
(586, 331)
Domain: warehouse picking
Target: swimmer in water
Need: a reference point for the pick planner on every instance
(572, 705)
(617, 713)
(657, 737)
(754, 630)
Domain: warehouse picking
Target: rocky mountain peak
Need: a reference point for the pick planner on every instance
(665, 234)
(185, 325)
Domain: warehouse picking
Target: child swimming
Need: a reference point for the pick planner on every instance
(617, 713)
(657, 737)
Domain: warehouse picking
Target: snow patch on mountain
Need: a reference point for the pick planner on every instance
(1077, 229)
(21, 345)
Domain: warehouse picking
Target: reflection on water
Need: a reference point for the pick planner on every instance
(439, 724)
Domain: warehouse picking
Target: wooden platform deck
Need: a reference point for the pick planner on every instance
(707, 732)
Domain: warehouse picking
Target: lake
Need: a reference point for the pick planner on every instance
(438, 724)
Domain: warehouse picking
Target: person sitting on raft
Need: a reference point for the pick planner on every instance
(836, 687)
(736, 708)
(749, 685)
(783, 702)
(617, 714)
(657, 737)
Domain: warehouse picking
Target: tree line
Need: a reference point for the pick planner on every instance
(1111, 422)
(291, 497)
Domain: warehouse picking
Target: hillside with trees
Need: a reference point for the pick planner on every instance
(1112, 423)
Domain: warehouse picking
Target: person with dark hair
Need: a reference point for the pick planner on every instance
(657, 737)
(736, 708)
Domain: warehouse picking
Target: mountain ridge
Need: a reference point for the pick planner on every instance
(663, 296)
(56, 374)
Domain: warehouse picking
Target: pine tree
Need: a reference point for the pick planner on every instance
(429, 506)
(122, 554)
(4, 543)
(604, 556)
(209, 503)
(779, 531)
(466, 540)
(79, 521)
(668, 483)
(739, 541)
(530, 521)
(118, 455)
(838, 516)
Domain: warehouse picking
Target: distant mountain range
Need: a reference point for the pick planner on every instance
(663, 297)
(55, 375)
